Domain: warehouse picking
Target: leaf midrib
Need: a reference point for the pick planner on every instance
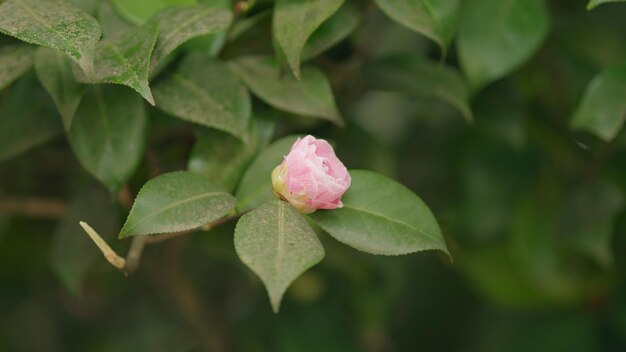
(173, 205)
(116, 50)
(280, 246)
(206, 97)
(383, 216)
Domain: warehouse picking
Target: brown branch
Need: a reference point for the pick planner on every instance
(35, 208)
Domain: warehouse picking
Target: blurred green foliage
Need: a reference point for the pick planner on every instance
(533, 209)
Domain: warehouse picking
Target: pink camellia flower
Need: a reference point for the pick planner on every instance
(311, 176)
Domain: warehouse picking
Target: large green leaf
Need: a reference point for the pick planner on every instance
(381, 216)
(53, 23)
(295, 21)
(54, 71)
(602, 110)
(495, 37)
(310, 96)
(338, 27)
(72, 253)
(255, 187)
(595, 3)
(416, 76)
(108, 133)
(335, 29)
(139, 11)
(204, 91)
(27, 118)
(179, 24)
(176, 201)
(125, 59)
(277, 243)
(14, 61)
(435, 19)
(223, 158)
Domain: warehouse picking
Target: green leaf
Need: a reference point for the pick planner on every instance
(139, 11)
(223, 158)
(27, 118)
(179, 24)
(255, 187)
(204, 91)
(588, 220)
(176, 201)
(595, 3)
(89, 6)
(496, 37)
(110, 21)
(435, 19)
(55, 24)
(414, 75)
(602, 110)
(338, 27)
(381, 216)
(108, 132)
(54, 71)
(73, 254)
(15, 60)
(277, 243)
(295, 21)
(125, 59)
(310, 96)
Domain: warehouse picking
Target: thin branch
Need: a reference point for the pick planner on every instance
(108, 252)
(35, 208)
(133, 258)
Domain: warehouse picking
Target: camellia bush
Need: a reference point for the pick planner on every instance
(291, 128)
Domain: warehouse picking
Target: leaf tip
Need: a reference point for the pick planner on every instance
(275, 300)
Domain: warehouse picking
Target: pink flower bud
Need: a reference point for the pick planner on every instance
(311, 176)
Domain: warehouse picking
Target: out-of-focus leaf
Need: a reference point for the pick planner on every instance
(14, 61)
(295, 21)
(139, 11)
(176, 201)
(204, 91)
(244, 25)
(602, 110)
(111, 22)
(595, 3)
(493, 274)
(435, 19)
(535, 249)
(338, 27)
(180, 24)
(54, 71)
(55, 24)
(27, 118)
(125, 59)
(72, 253)
(255, 187)
(89, 6)
(310, 96)
(277, 243)
(381, 216)
(424, 79)
(108, 132)
(223, 158)
(496, 37)
(588, 220)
